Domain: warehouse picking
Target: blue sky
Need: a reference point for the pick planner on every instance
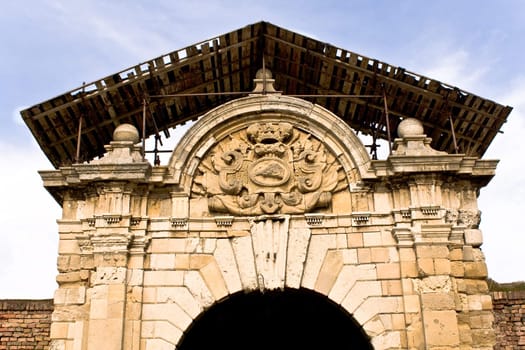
(52, 46)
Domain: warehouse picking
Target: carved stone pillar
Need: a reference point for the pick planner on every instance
(103, 242)
(108, 291)
(135, 286)
(432, 242)
(435, 287)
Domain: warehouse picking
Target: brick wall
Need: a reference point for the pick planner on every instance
(25, 324)
(509, 319)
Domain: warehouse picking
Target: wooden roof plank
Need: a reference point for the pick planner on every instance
(229, 62)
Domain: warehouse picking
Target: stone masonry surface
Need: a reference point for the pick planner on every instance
(268, 193)
(25, 324)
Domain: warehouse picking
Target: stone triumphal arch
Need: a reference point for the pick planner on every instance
(271, 226)
(271, 193)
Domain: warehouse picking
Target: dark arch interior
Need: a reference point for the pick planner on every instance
(274, 320)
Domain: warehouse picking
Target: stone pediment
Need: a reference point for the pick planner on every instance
(268, 154)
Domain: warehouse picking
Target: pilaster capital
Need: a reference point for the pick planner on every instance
(403, 236)
(110, 243)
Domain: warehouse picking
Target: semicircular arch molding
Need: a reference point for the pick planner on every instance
(338, 138)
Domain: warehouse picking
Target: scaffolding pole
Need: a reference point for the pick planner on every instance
(79, 135)
(453, 133)
(387, 120)
(144, 129)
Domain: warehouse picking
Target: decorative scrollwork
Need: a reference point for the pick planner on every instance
(268, 168)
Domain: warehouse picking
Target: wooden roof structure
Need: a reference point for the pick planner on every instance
(186, 83)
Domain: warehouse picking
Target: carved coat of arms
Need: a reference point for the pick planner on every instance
(268, 168)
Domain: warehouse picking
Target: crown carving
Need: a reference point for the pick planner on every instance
(268, 133)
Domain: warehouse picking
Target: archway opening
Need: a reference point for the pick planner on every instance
(275, 320)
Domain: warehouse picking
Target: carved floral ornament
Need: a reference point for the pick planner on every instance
(268, 168)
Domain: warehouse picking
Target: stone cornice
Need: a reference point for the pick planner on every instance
(459, 164)
(86, 173)
(412, 154)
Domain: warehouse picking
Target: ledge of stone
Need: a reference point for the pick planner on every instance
(26, 305)
(508, 295)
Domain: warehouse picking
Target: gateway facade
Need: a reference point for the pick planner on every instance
(271, 226)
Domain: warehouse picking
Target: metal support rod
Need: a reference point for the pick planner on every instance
(246, 93)
(453, 133)
(156, 158)
(387, 121)
(200, 94)
(338, 96)
(77, 155)
(264, 76)
(144, 129)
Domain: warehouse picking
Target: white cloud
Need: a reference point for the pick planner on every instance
(29, 233)
(126, 30)
(502, 200)
(455, 66)
(16, 117)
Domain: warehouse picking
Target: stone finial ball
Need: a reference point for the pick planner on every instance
(126, 132)
(410, 127)
(260, 72)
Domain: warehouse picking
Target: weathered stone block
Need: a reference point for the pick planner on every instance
(350, 257)
(388, 271)
(364, 255)
(432, 251)
(170, 312)
(70, 296)
(162, 261)
(355, 240)
(441, 328)
(457, 269)
(59, 330)
(212, 276)
(408, 269)
(465, 334)
(68, 246)
(332, 265)
(426, 266)
(407, 254)
(379, 255)
(391, 287)
(473, 237)
(476, 269)
(456, 254)
(438, 301)
(163, 278)
(483, 337)
(371, 239)
(442, 266)
(412, 303)
(179, 295)
(475, 286)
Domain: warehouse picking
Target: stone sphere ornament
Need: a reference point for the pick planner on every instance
(410, 127)
(263, 74)
(126, 132)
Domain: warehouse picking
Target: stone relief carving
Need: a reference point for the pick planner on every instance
(268, 168)
(433, 284)
(469, 218)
